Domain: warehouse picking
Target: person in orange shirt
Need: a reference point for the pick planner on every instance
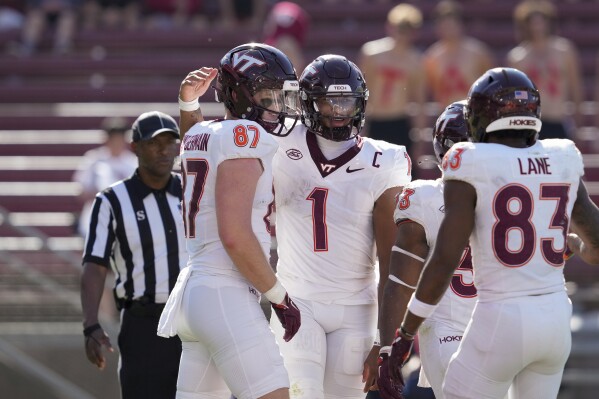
(552, 62)
(392, 66)
(455, 61)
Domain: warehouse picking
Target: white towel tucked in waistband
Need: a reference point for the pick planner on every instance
(167, 326)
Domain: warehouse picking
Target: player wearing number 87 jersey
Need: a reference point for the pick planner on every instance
(514, 198)
(418, 214)
(334, 194)
(227, 190)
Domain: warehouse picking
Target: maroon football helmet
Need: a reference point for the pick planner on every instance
(259, 70)
(451, 127)
(503, 99)
(333, 91)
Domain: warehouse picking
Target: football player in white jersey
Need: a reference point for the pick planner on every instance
(418, 214)
(227, 190)
(514, 198)
(335, 194)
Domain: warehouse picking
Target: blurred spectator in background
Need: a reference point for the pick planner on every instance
(11, 14)
(455, 61)
(168, 14)
(285, 28)
(596, 97)
(552, 63)
(242, 13)
(111, 14)
(392, 68)
(102, 166)
(61, 14)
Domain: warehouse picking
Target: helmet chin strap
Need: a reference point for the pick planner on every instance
(332, 149)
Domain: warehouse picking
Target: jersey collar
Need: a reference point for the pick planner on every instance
(326, 166)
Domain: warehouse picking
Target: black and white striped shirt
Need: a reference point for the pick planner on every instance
(138, 231)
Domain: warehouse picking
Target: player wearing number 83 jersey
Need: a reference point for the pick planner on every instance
(514, 199)
(517, 248)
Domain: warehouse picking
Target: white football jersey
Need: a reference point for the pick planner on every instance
(325, 215)
(422, 202)
(203, 148)
(524, 202)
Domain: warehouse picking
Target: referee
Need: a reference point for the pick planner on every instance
(137, 230)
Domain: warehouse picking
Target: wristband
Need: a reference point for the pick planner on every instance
(189, 106)
(377, 338)
(419, 308)
(406, 334)
(276, 294)
(89, 330)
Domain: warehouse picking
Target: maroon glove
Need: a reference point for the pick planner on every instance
(400, 352)
(289, 316)
(388, 389)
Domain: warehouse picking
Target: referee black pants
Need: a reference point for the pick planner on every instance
(149, 364)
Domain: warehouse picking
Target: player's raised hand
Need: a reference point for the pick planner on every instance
(196, 83)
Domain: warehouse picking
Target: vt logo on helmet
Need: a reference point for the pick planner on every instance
(257, 82)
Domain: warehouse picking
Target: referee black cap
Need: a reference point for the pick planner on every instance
(151, 124)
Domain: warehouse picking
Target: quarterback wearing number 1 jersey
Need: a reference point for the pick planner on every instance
(327, 255)
(324, 215)
(334, 196)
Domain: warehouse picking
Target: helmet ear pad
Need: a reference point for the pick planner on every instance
(238, 98)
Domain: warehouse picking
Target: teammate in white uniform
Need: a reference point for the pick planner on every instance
(227, 190)
(334, 194)
(418, 215)
(513, 197)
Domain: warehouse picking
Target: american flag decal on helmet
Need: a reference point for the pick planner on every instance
(521, 95)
